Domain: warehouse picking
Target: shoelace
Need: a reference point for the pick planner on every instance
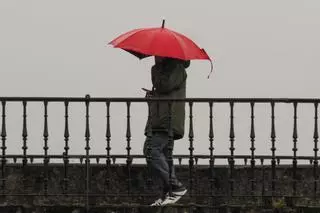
(172, 198)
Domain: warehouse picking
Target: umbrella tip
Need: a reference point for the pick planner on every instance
(163, 22)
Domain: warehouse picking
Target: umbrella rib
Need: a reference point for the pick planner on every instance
(126, 36)
(178, 40)
(152, 40)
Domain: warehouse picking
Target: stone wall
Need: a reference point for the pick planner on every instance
(25, 187)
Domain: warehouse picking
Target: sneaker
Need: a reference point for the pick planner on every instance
(176, 190)
(176, 195)
(157, 202)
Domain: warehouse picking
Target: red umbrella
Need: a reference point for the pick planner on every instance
(160, 41)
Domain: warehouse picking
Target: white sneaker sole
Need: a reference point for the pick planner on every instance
(157, 202)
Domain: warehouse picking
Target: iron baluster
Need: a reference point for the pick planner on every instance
(315, 149)
(24, 147)
(211, 162)
(191, 148)
(108, 148)
(3, 147)
(66, 146)
(252, 138)
(231, 158)
(128, 148)
(87, 148)
(294, 149)
(45, 148)
(273, 150)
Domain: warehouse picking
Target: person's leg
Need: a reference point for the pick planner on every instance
(158, 147)
(158, 161)
(175, 182)
(177, 188)
(154, 149)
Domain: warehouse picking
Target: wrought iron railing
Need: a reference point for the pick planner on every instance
(110, 159)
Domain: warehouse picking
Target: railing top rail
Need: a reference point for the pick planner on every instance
(133, 99)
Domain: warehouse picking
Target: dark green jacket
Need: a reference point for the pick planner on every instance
(169, 81)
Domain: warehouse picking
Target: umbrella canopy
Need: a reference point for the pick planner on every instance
(159, 41)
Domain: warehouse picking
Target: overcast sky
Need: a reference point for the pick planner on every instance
(260, 49)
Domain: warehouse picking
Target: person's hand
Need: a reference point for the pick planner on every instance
(149, 93)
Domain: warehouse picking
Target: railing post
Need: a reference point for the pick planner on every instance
(3, 147)
(211, 162)
(24, 147)
(87, 148)
(128, 148)
(108, 148)
(231, 158)
(191, 160)
(66, 147)
(315, 149)
(273, 150)
(252, 138)
(45, 148)
(294, 149)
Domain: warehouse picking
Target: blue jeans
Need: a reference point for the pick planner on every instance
(159, 159)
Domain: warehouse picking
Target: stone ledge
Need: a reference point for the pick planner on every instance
(63, 209)
(111, 192)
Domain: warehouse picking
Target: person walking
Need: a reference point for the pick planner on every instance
(168, 77)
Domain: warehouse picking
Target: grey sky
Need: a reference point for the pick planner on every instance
(260, 49)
